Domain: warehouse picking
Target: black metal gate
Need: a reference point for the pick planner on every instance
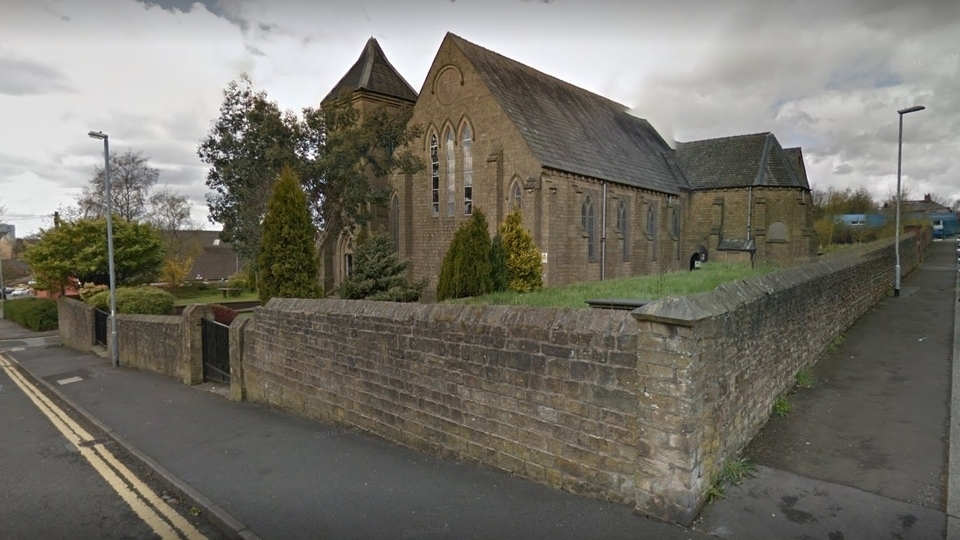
(100, 319)
(216, 351)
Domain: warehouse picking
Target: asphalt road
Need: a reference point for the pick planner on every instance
(51, 487)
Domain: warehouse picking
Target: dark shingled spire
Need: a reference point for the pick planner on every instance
(374, 73)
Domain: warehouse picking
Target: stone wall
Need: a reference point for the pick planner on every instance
(712, 365)
(75, 324)
(548, 394)
(151, 342)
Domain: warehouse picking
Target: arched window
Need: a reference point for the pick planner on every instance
(435, 174)
(516, 195)
(451, 172)
(466, 141)
(623, 227)
(777, 232)
(675, 221)
(395, 222)
(652, 228)
(587, 222)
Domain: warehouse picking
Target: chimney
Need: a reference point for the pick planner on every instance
(926, 198)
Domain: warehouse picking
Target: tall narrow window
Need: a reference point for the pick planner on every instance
(451, 172)
(623, 226)
(466, 141)
(395, 222)
(435, 174)
(587, 222)
(652, 228)
(516, 195)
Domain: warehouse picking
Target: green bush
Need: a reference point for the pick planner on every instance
(378, 274)
(498, 264)
(140, 300)
(524, 269)
(466, 266)
(38, 314)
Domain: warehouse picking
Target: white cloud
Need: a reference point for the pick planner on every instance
(825, 75)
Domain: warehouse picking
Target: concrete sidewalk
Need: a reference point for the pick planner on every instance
(280, 476)
(864, 453)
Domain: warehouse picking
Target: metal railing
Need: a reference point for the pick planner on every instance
(216, 351)
(100, 325)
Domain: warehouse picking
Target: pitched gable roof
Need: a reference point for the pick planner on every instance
(738, 161)
(374, 73)
(795, 157)
(573, 130)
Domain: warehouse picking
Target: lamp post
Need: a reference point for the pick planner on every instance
(114, 352)
(896, 233)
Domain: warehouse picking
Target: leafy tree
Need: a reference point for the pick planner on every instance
(466, 269)
(288, 255)
(524, 269)
(131, 181)
(78, 250)
(378, 274)
(330, 148)
(498, 264)
(176, 270)
(247, 148)
(349, 151)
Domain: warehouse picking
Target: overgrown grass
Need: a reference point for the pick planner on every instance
(734, 471)
(782, 407)
(214, 297)
(804, 379)
(650, 287)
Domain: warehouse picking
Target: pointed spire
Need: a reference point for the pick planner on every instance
(374, 73)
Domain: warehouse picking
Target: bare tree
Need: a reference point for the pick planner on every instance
(131, 181)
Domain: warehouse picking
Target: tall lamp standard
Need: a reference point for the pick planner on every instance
(114, 352)
(896, 234)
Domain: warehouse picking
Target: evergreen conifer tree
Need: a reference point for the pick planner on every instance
(288, 254)
(524, 269)
(498, 264)
(466, 266)
(378, 274)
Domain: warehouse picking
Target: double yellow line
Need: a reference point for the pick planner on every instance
(156, 513)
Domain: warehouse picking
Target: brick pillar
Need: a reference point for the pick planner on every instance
(237, 349)
(191, 364)
(675, 463)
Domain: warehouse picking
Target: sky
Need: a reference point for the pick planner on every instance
(828, 76)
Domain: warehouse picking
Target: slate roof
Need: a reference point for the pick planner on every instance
(374, 73)
(214, 259)
(795, 157)
(738, 161)
(573, 130)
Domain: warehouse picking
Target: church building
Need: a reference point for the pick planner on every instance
(602, 193)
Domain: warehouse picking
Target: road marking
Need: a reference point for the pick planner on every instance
(62, 382)
(130, 488)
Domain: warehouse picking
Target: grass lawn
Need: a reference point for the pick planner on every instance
(213, 297)
(650, 287)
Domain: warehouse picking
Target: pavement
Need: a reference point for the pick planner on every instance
(865, 453)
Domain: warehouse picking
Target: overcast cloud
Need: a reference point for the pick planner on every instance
(825, 75)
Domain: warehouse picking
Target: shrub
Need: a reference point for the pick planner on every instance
(288, 254)
(140, 300)
(524, 269)
(90, 289)
(466, 266)
(223, 314)
(38, 314)
(498, 264)
(378, 274)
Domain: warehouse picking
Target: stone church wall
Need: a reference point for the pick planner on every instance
(640, 408)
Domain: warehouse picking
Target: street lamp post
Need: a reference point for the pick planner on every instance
(896, 233)
(114, 352)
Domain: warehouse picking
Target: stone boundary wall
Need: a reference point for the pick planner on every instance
(151, 342)
(712, 365)
(75, 323)
(548, 394)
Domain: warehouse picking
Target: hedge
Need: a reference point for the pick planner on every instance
(140, 300)
(38, 314)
